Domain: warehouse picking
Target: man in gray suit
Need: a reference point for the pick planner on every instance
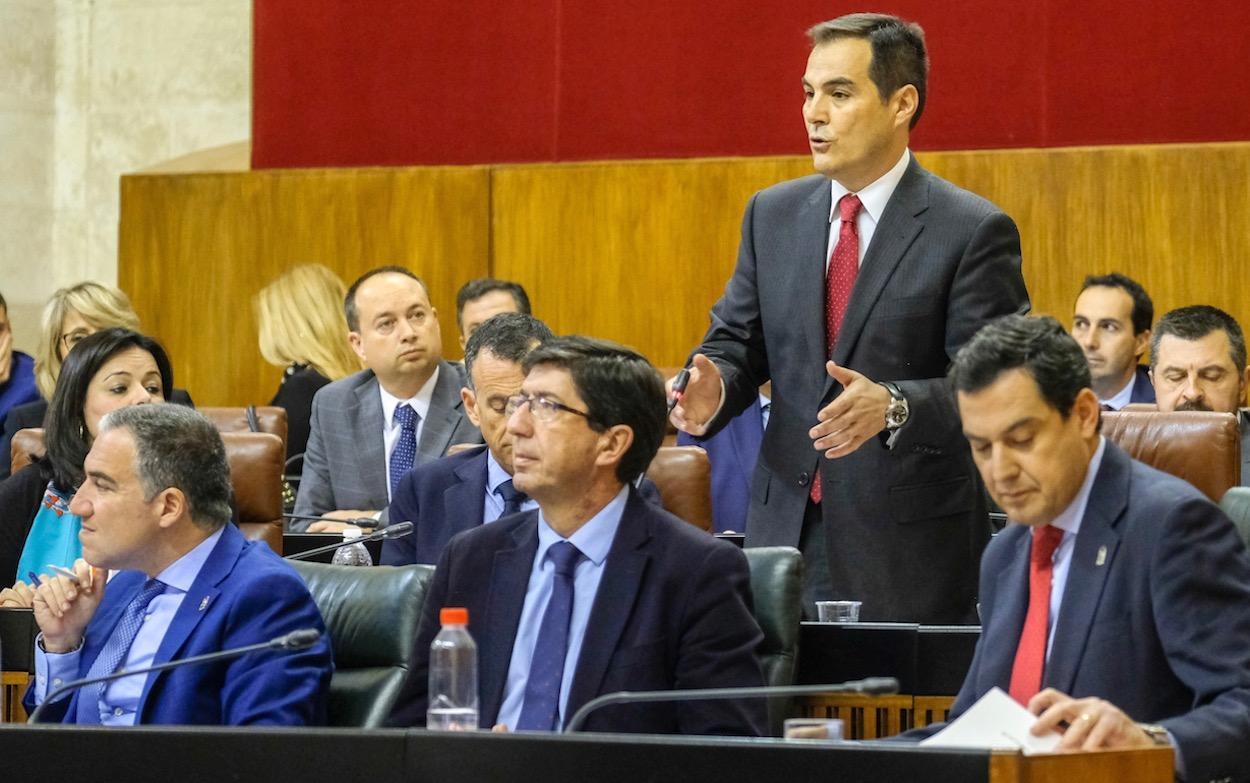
(854, 288)
(370, 428)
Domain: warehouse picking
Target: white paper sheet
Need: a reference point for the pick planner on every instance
(995, 721)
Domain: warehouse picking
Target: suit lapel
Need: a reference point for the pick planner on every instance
(1011, 603)
(895, 232)
(367, 425)
(509, 581)
(812, 227)
(1092, 559)
(614, 602)
(444, 415)
(466, 495)
(196, 604)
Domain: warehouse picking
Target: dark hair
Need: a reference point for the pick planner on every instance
(1143, 309)
(1195, 322)
(1039, 345)
(65, 427)
(619, 386)
(476, 289)
(898, 51)
(507, 336)
(349, 301)
(180, 448)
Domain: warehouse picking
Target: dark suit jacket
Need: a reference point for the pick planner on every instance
(732, 453)
(909, 522)
(30, 416)
(443, 498)
(345, 462)
(672, 611)
(295, 396)
(244, 594)
(1143, 390)
(1161, 629)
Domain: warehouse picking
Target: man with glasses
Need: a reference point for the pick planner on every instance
(596, 590)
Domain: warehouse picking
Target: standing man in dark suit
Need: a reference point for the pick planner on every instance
(596, 590)
(369, 429)
(460, 492)
(854, 288)
(1119, 598)
(1111, 322)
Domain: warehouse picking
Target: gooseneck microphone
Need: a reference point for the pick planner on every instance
(870, 685)
(397, 530)
(295, 640)
(366, 523)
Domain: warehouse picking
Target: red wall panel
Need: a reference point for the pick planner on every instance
(389, 82)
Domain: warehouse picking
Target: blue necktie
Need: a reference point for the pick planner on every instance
(406, 447)
(541, 708)
(512, 498)
(118, 647)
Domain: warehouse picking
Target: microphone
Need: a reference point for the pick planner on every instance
(368, 523)
(295, 640)
(397, 530)
(870, 685)
(679, 388)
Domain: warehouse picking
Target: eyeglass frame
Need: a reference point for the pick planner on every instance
(550, 408)
(63, 340)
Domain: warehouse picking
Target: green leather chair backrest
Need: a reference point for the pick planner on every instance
(1236, 503)
(777, 588)
(371, 615)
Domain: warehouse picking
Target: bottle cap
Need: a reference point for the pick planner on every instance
(453, 615)
(351, 532)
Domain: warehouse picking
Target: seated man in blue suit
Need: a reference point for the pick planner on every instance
(1111, 321)
(155, 506)
(596, 590)
(459, 492)
(1117, 606)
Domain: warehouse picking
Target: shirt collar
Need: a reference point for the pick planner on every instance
(1123, 396)
(875, 196)
(495, 474)
(181, 573)
(419, 402)
(594, 538)
(1069, 520)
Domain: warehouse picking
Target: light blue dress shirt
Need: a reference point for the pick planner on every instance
(492, 507)
(594, 540)
(121, 697)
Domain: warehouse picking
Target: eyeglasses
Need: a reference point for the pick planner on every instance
(74, 338)
(541, 408)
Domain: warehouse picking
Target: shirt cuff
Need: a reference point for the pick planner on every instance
(52, 670)
(1178, 761)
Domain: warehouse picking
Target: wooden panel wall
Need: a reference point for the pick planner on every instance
(194, 249)
(635, 251)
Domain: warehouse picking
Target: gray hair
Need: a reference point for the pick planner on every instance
(180, 448)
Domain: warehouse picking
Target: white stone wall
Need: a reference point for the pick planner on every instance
(93, 89)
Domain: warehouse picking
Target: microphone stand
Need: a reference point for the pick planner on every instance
(398, 530)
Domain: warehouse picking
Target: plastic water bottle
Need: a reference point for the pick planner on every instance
(355, 554)
(453, 675)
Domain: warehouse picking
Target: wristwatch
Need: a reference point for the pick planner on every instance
(898, 411)
(1157, 733)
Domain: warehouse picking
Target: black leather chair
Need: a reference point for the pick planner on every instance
(777, 587)
(372, 616)
(1236, 503)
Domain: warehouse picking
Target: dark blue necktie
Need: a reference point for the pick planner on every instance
(541, 709)
(118, 647)
(405, 450)
(512, 498)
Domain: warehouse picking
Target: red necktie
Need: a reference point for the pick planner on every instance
(839, 280)
(1026, 672)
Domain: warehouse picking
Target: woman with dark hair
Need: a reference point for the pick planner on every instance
(108, 370)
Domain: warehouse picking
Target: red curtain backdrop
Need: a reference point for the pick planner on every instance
(402, 82)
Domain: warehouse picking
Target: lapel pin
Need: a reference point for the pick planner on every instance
(204, 601)
(1100, 560)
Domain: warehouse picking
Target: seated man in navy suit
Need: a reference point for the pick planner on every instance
(1117, 606)
(459, 492)
(1111, 320)
(596, 590)
(156, 507)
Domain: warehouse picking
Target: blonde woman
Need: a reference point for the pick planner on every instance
(304, 331)
(71, 314)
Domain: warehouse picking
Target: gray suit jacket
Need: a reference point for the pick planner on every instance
(345, 464)
(909, 522)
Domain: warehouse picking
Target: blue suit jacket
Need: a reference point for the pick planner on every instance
(243, 595)
(672, 611)
(443, 498)
(732, 452)
(1143, 390)
(1161, 628)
